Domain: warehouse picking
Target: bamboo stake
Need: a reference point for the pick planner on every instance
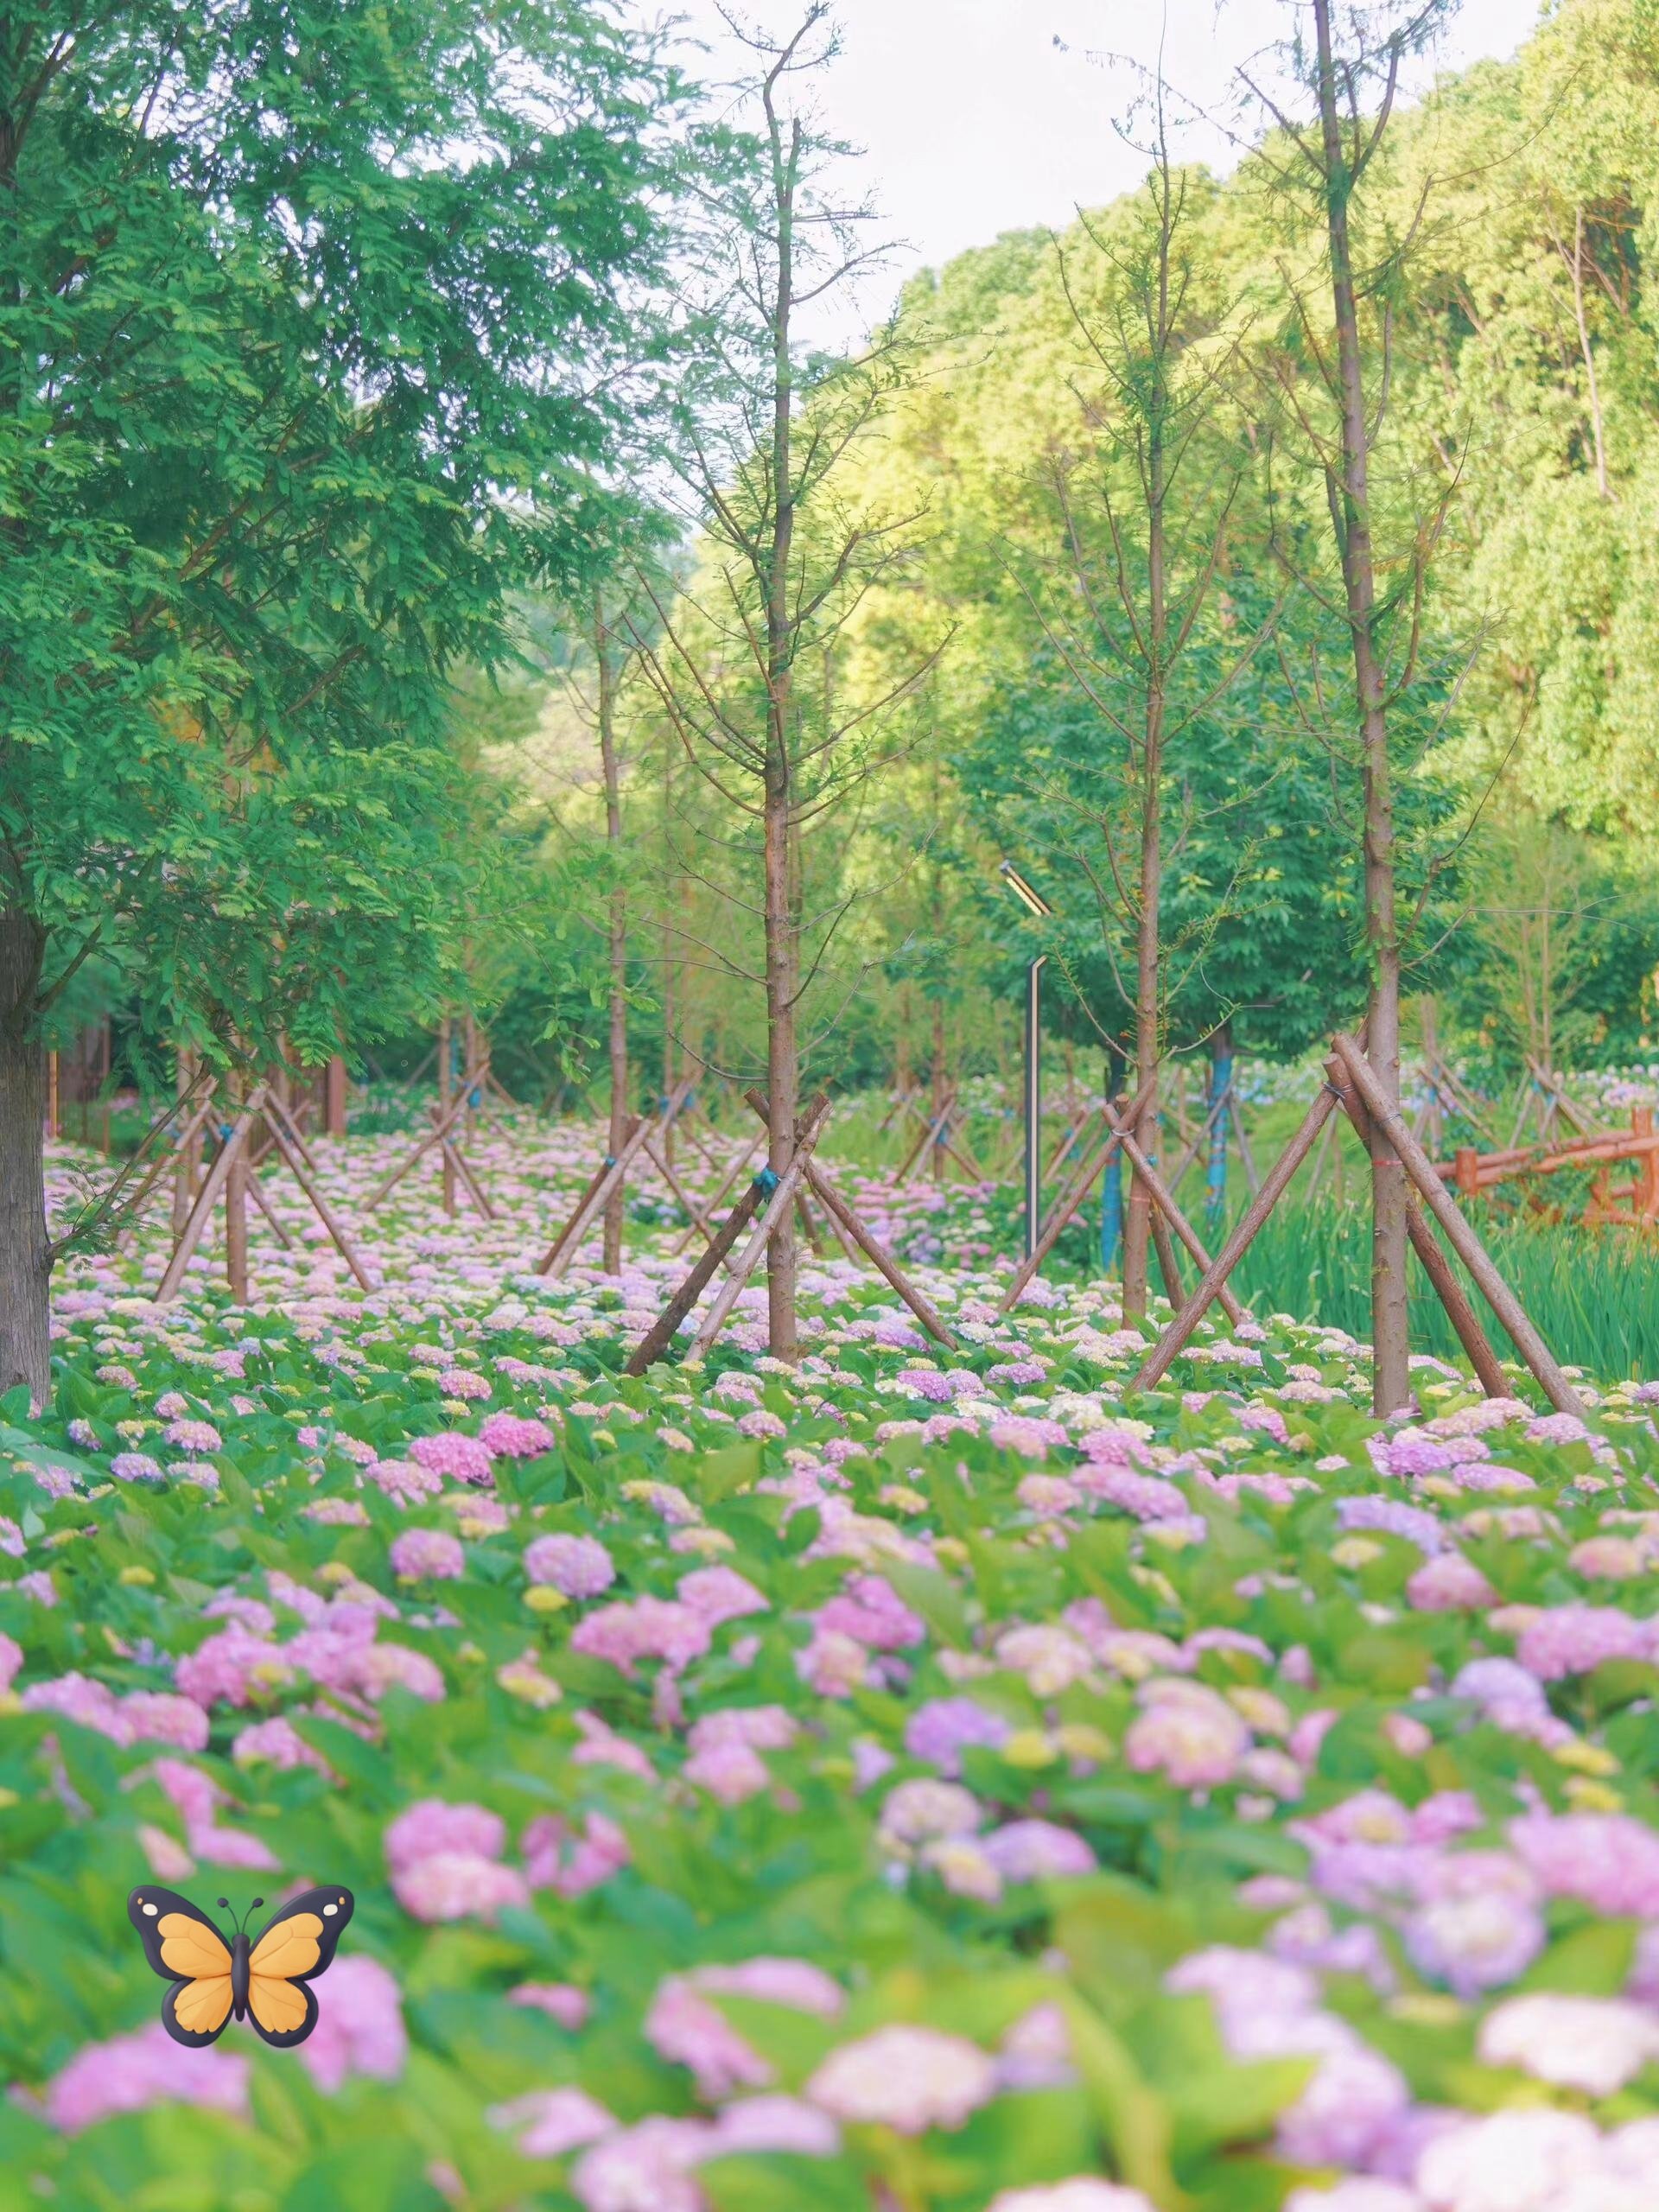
(1464, 1319)
(160, 1166)
(1170, 1344)
(565, 1245)
(778, 1201)
(1166, 1208)
(257, 1192)
(1167, 1266)
(1073, 1198)
(651, 1347)
(877, 1254)
(732, 1174)
(458, 1160)
(184, 1251)
(694, 1212)
(1461, 1237)
(854, 1237)
(434, 1136)
(278, 1112)
(324, 1213)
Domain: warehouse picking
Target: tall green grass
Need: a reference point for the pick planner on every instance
(1592, 1293)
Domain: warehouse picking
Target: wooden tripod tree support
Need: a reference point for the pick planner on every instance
(936, 1132)
(235, 1140)
(854, 1237)
(173, 1158)
(712, 1206)
(441, 1135)
(768, 1196)
(259, 1105)
(640, 1132)
(1076, 1190)
(1378, 1112)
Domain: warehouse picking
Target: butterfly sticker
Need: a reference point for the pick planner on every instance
(217, 1978)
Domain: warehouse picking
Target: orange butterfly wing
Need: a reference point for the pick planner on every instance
(183, 1946)
(298, 1945)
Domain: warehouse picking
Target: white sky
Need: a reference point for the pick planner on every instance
(974, 121)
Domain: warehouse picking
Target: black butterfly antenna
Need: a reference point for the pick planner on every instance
(242, 1922)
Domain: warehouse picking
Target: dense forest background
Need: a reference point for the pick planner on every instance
(1513, 228)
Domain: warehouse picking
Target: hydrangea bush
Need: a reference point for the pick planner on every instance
(918, 1782)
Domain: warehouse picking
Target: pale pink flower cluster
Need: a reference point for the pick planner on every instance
(683, 2027)
(428, 1555)
(1268, 2008)
(1591, 2045)
(445, 1862)
(1449, 1583)
(129, 2073)
(361, 2028)
(910, 2079)
(643, 1628)
(515, 1436)
(724, 1748)
(560, 1856)
(143, 1716)
(1573, 1639)
(580, 1566)
(1186, 1731)
(455, 1457)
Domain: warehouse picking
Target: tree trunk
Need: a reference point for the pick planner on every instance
(25, 1250)
(1390, 1335)
(334, 1097)
(619, 929)
(236, 1214)
(782, 1070)
(446, 1094)
(782, 905)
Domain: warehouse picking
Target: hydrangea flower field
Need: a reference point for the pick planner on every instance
(916, 1782)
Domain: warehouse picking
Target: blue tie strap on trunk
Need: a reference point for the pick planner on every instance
(610, 1160)
(766, 1182)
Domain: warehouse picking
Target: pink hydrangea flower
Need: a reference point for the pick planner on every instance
(720, 1593)
(570, 1860)
(277, 1743)
(130, 2073)
(580, 1566)
(457, 1458)
(646, 1628)
(431, 1826)
(360, 2027)
(682, 2027)
(549, 2123)
(1037, 1851)
(161, 1717)
(1449, 1583)
(906, 2078)
(447, 1886)
(1187, 1733)
(515, 1436)
(1573, 1639)
(428, 1555)
(561, 2001)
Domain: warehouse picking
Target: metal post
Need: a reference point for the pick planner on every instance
(1033, 1100)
